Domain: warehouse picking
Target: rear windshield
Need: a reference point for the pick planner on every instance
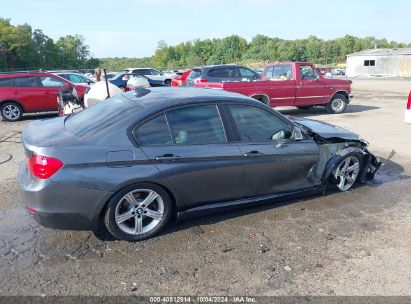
(101, 115)
(195, 73)
(279, 72)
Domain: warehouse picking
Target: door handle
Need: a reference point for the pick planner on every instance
(167, 157)
(281, 145)
(253, 154)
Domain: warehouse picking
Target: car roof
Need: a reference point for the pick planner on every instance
(159, 98)
(288, 62)
(29, 74)
(139, 69)
(56, 73)
(216, 66)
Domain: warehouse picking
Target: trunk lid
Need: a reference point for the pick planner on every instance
(45, 133)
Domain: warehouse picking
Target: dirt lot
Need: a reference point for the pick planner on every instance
(353, 243)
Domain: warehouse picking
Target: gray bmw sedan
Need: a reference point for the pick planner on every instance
(134, 161)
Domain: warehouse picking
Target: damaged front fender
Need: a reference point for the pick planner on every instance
(332, 151)
(370, 164)
(335, 144)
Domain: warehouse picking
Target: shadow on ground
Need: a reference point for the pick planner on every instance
(317, 111)
(36, 116)
(390, 172)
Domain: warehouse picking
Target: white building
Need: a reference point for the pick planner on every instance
(380, 62)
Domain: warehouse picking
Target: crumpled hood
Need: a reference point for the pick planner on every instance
(326, 130)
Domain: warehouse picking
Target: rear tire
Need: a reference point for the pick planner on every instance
(138, 212)
(11, 111)
(337, 105)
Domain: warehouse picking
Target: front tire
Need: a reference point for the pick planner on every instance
(347, 171)
(167, 82)
(11, 111)
(337, 105)
(138, 212)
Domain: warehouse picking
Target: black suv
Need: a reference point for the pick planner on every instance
(221, 73)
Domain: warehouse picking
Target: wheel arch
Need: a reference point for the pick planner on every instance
(342, 92)
(333, 161)
(173, 196)
(13, 101)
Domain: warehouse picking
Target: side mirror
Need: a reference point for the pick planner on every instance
(282, 134)
(88, 81)
(297, 134)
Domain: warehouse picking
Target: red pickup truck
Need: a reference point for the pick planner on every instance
(297, 84)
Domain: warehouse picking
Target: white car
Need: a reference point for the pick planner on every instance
(76, 78)
(150, 73)
(171, 74)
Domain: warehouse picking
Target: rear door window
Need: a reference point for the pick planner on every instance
(26, 82)
(154, 132)
(51, 82)
(76, 78)
(226, 73)
(196, 125)
(65, 76)
(154, 72)
(247, 74)
(5, 82)
(142, 72)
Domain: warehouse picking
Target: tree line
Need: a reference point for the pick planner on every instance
(235, 49)
(21, 47)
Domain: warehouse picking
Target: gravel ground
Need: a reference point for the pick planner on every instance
(352, 243)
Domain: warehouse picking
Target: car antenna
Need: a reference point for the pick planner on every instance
(105, 79)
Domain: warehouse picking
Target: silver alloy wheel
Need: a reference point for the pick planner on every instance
(337, 104)
(347, 173)
(11, 112)
(139, 211)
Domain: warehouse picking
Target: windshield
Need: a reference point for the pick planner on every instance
(101, 115)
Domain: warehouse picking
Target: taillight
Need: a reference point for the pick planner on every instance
(31, 210)
(43, 167)
(202, 80)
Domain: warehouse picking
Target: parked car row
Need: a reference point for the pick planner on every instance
(298, 84)
(25, 93)
(151, 74)
(336, 72)
(121, 80)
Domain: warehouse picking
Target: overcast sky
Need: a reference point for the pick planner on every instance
(132, 28)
